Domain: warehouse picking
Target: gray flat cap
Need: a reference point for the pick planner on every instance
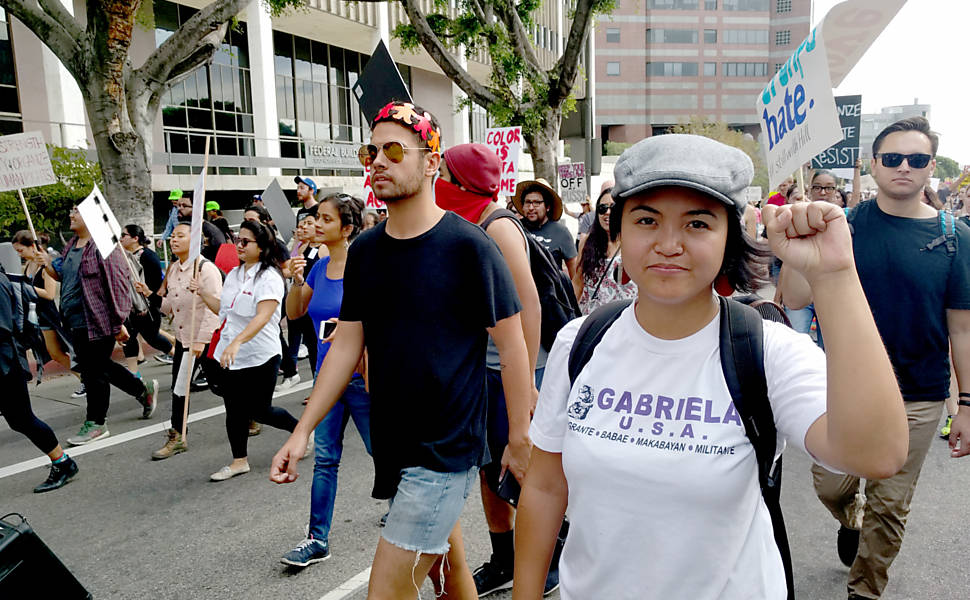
(692, 161)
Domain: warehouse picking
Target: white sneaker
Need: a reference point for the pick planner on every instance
(288, 383)
(302, 352)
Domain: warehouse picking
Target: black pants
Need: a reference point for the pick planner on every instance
(287, 362)
(248, 395)
(15, 407)
(99, 373)
(209, 367)
(301, 331)
(148, 326)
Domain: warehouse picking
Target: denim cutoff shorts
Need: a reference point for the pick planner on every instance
(426, 507)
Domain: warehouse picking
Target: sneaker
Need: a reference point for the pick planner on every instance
(383, 520)
(165, 359)
(848, 545)
(148, 400)
(945, 430)
(199, 384)
(173, 446)
(254, 428)
(491, 577)
(302, 352)
(80, 392)
(60, 474)
(552, 582)
(288, 383)
(309, 551)
(89, 432)
(228, 472)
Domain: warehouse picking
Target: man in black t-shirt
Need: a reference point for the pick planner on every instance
(211, 234)
(913, 263)
(541, 208)
(422, 290)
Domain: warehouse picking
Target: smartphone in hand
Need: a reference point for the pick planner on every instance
(326, 329)
(508, 488)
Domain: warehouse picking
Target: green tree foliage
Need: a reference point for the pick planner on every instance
(719, 131)
(50, 205)
(946, 168)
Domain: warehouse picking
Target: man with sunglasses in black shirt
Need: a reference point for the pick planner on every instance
(914, 267)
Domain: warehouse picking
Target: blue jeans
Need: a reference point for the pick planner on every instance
(801, 321)
(328, 441)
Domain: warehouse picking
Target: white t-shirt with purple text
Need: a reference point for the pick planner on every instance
(663, 486)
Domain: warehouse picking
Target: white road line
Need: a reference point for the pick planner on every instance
(114, 440)
(348, 587)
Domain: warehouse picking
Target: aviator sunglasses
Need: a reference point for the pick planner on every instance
(394, 151)
(894, 159)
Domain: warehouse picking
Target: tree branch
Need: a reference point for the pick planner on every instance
(520, 39)
(65, 19)
(565, 70)
(62, 35)
(445, 61)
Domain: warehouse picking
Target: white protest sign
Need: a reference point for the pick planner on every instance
(279, 208)
(100, 221)
(798, 115)
(198, 213)
(572, 182)
(372, 201)
(24, 161)
(507, 143)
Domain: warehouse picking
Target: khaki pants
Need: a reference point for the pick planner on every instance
(887, 503)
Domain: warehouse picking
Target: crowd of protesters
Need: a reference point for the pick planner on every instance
(490, 400)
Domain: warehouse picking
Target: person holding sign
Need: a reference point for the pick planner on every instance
(648, 414)
(95, 301)
(187, 283)
(423, 290)
(913, 264)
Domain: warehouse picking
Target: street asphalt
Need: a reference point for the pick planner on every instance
(131, 528)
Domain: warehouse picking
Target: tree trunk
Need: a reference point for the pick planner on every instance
(543, 145)
(125, 158)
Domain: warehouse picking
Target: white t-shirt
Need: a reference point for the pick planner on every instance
(241, 293)
(663, 484)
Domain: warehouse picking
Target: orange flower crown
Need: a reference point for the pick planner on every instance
(405, 113)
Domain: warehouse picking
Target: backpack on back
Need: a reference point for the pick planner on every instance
(556, 296)
(742, 362)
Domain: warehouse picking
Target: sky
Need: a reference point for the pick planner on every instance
(921, 54)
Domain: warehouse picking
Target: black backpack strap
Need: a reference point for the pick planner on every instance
(590, 333)
(742, 360)
(498, 213)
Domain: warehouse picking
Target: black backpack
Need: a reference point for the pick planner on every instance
(742, 360)
(556, 296)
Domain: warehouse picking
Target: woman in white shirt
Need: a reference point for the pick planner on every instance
(645, 450)
(249, 341)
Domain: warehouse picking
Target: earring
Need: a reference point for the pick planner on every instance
(722, 285)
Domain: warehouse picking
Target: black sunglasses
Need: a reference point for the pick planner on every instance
(894, 159)
(602, 209)
(394, 151)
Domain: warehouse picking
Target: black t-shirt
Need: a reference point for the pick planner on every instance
(214, 238)
(909, 289)
(424, 303)
(554, 236)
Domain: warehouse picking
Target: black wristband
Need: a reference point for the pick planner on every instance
(963, 402)
(964, 394)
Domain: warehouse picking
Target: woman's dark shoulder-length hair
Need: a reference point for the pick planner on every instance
(744, 258)
(270, 254)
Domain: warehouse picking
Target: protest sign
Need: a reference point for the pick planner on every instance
(797, 109)
(198, 210)
(24, 162)
(100, 221)
(572, 182)
(371, 200)
(9, 259)
(279, 208)
(506, 142)
(843, 154)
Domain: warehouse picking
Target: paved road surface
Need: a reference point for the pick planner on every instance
(132, 528)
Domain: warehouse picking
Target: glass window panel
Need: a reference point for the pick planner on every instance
(287, 128)
(8, 100)
(200, 118)
(174, 116)
(301, 63)
(337, 67)
(225, 121)
(197, 145)
(8, 126)
(710, 69)
(319, 62)
(244, 123)
(166, 17)
(178, 143)
(226, 145)
(710, 36)
(290, 149)
(283, 53)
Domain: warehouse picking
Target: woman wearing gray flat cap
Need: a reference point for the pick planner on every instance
(656, 430)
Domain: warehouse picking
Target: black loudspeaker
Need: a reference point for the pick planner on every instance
(28, 569)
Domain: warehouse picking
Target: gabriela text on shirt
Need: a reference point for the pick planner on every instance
(652, 420)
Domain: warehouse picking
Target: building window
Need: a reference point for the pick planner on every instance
(214, 100)
(778, 66)
(741, 69)
(671, 69)
(672, 4)
(782, 38)
(745, 36)
(710, 4)
(613, 68)
(11, 119)
(783, 6)
(710, 36)
(745, 5)
(671, 36)
(478, 121)
(613, 35)
(710, 69)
